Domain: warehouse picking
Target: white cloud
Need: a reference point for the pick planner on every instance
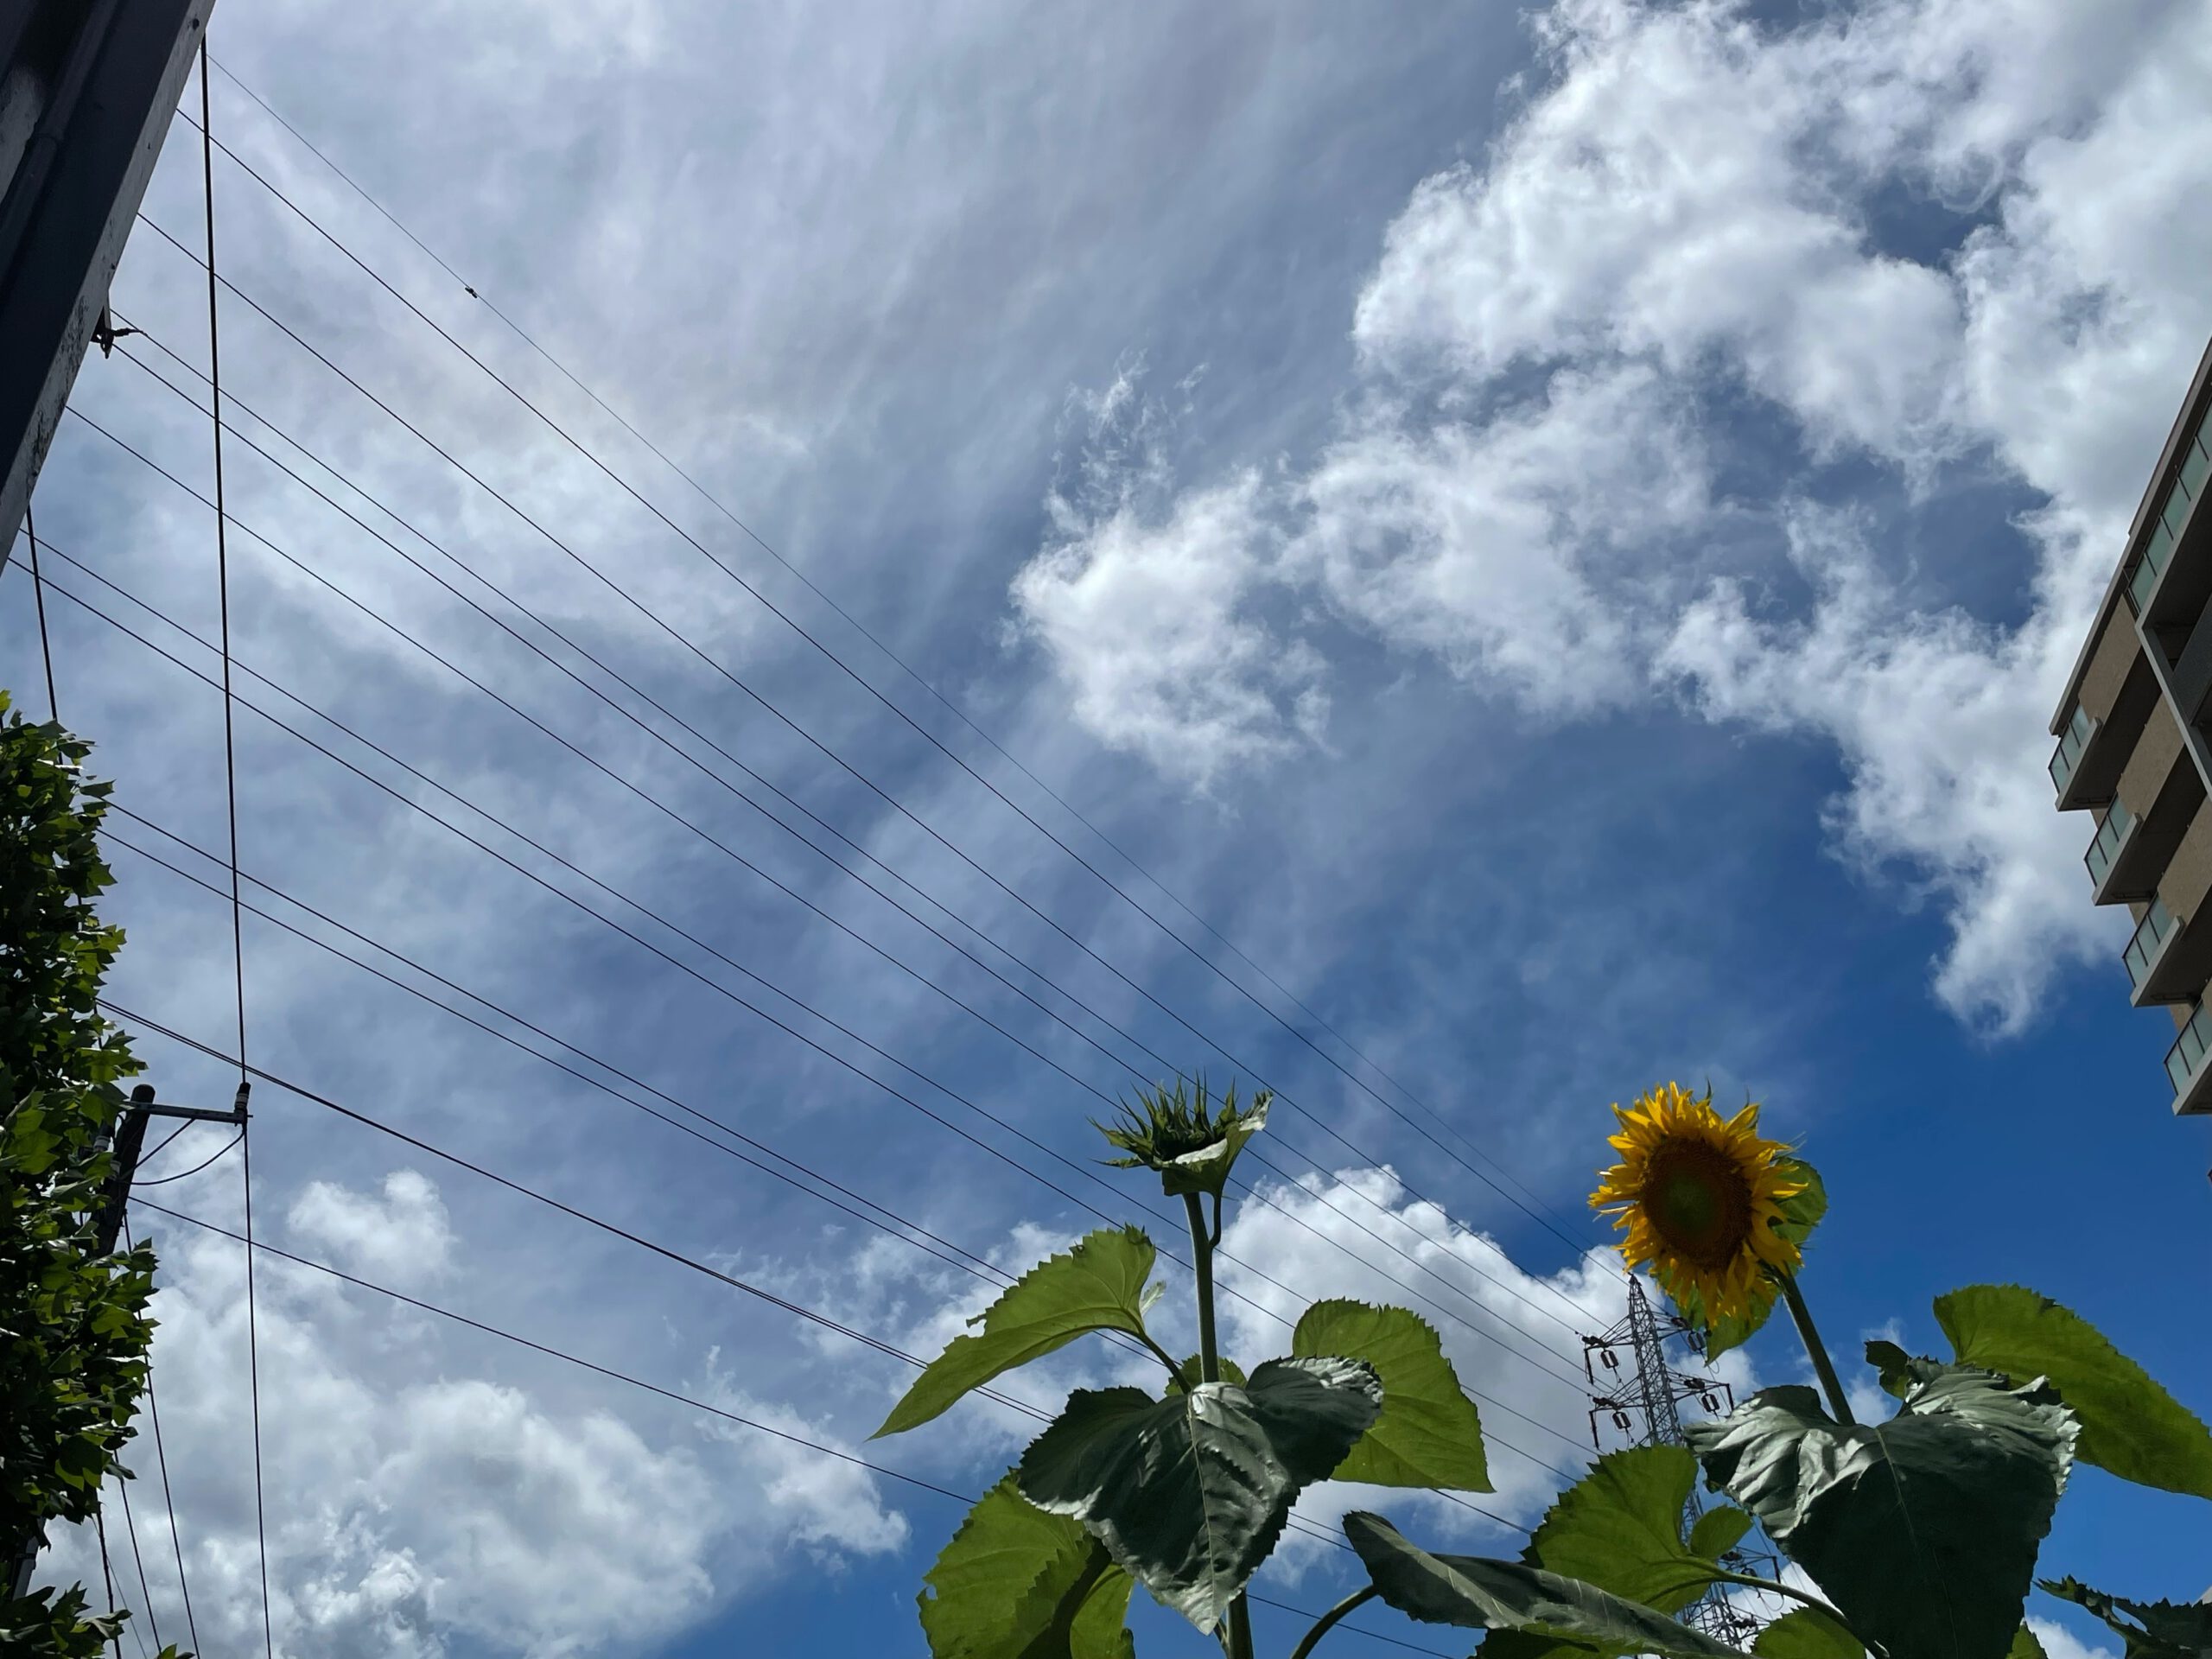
(1928, 711)
(1479, 543)
(2060, 1643)
(403, 1235)
(1689, 207)
(1147, 614)
(408, 1508)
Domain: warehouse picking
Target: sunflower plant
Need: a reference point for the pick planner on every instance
(1185, 1488)
(1922, 1532)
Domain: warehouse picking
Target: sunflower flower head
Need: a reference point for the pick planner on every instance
(1700, 1199)
(1182, 1133)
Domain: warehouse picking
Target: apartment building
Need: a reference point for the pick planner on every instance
(2134, 733)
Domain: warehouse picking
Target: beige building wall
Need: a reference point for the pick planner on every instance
(2189, 877)
(2153, 763)
(2117, 650)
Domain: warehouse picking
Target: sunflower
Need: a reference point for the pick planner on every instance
(1699, 1197)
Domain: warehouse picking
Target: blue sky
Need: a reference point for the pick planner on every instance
(1559, 535)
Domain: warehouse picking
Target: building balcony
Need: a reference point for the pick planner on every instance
(2071, 743)
(2166, 591)
(2092, 752)
(2185, 1067)
(2167, 960)
(2115, 837)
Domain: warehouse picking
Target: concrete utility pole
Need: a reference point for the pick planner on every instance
(87, 90)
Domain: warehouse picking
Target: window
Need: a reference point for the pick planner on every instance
(2196, 467)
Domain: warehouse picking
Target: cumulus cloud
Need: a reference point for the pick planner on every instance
(1145, 601)
(409, 1509)
(1691, 215)
(400, 1234)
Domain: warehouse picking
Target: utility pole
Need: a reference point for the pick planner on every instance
(130, 1141)
(1648, 1386)
(87, 90)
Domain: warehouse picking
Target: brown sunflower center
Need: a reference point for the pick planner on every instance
(1697, 1201)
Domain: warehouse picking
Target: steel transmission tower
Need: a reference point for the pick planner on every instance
(1636, 1387)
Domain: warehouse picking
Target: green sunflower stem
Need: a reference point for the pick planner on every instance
(1823, 1366)
(1327, 1622)
(1238, 1644)
(1202, 1265)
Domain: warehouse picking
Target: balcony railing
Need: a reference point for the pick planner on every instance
(2186, 1057)
(2114, 830)
(2150, 934)
(2172, 512)
(2071, 741)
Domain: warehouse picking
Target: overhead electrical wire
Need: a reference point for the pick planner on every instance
(998, 1396)
(168, 1491)
(137, 1561)
(984, 1270)
(1565, 1377)
(829, 599)
(38, 595)
(1365, 1198)
(253, 1245)
(844, 667)
(231, 799)
(774, 709)
(549, 1351)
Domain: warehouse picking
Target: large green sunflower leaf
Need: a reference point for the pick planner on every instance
(2027, 1645)
(1190, 1493)
(2153, 1630)
(1096, 1285)
(2130, 1425)
(1800, 1215)
(1899, 1370)
(1479, 1593)
(1718, 1531)
(1923, 1530)
(1099, 1628)
(1620, 1528)
(1016, 1583)
(1429, 1433)
(1806, 1633)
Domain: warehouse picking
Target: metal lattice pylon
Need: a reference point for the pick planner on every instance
(1635, 1386)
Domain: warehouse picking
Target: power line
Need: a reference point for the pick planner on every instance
(844, 667)
(38, 595)
(168, 1494)
(996, 1395)
(989, 1273)
(235, 1141)
(772, 707)
(523, 1189)
(820, 593)
(265, 1248)
(130, 1531)
(1261, 1197)
(230, 798)
(168, 1139)
(693, 1403)
(711, 840)
(107, 1570)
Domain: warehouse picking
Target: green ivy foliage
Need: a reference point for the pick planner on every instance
(73, 1330)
